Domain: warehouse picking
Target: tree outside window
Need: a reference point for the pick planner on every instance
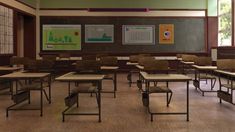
(225, 23)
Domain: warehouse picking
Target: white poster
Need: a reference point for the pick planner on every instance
(138, 34)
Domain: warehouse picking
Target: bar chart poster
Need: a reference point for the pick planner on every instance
(61, 37)
(166, 34)
(138, 34)
(99, 33)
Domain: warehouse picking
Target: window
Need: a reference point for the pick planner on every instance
(6, 30)
(225, 22)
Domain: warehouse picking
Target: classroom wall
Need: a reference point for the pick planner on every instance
(23, 10)
(32, 3)
(160, 4)
(178, 13)
(211, 5)
(19, 6)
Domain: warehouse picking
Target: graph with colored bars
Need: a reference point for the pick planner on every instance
(61, 37)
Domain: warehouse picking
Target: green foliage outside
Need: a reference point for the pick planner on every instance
(225, 25)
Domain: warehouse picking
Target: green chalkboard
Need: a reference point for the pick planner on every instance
(190, 34)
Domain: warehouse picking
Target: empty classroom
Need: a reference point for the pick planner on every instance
(121, 66)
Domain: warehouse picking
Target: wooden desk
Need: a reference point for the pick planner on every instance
(132, 63)
(74, 77)
(140, 67)
(226, 95)
(7, 70)
(167, 78)
(110, 70)
(17, 76)
(129, 76)
(206, 70)
(186, 65)
(187, 62)
(232, 74)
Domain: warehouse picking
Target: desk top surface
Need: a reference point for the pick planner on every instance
(72, 76)
(25, 75)
(205, 67)
(8, 68)
(187, 62)
(109, 67)
(132, 63)
(165, 77)
(226, 72)
(140, 67)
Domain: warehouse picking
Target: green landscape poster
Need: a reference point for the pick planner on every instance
(99, 33)
(61, 37)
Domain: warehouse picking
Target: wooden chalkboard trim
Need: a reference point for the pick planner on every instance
(49, 19)
(150, 9)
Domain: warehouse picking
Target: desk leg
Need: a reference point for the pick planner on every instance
(49, 89)
(41, 98)
(195, 78)
(12, 89)
(187, 100)
(69, 88)
(115, 83)
(129, 78)
(16, 86)
(99, 99)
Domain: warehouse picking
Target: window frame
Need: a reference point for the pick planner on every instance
(7, 35)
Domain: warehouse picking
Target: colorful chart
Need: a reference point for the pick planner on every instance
(99, 33)
(61, 37)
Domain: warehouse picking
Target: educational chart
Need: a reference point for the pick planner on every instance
(166, 33)
(99, 33)
(138, 34)
(61, 37)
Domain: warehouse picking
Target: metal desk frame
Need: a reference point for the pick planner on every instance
(166, 79)
(24, 76)
(90, 80)
(197, 80)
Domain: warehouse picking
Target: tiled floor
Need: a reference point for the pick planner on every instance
(124, 113)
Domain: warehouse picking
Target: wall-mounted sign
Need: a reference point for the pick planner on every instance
(166, 34)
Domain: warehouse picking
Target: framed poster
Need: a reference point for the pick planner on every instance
(166, 34)
(138, 34)
(99, 33)
(61, 37)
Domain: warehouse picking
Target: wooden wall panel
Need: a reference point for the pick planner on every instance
(226, 52)
(30, 37)
(212, 32)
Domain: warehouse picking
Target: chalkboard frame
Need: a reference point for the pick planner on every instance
(117, 28)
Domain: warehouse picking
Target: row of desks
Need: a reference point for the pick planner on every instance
(69, 77)
(72, 77)
(209, 70)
